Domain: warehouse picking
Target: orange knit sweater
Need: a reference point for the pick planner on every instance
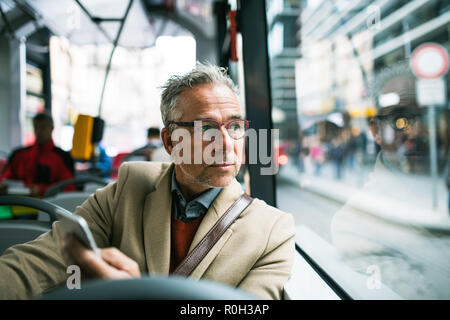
(182, 235)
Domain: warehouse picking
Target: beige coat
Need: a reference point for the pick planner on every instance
(133, 214)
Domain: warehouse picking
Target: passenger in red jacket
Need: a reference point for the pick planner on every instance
(41, 165)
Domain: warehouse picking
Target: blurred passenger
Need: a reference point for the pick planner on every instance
(317, 155)
(351, 147)
(399, 223)
(299, 154)
(337, 155)
(103, 163)
(41, 165)
(153, 150)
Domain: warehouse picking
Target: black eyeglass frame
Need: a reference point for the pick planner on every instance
(391, 118)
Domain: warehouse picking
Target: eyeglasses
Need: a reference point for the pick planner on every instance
(236, 128)
(401, 120)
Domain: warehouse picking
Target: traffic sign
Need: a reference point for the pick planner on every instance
(431, 92)
(430, 61)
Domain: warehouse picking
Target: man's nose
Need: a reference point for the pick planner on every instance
(226, 139)
(416, 129)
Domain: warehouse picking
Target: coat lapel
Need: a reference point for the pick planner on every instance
(224, 200)
(156, 226)
(157, 222)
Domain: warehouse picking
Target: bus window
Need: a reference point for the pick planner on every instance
(131, 97)
(367, 166)
(35, 100)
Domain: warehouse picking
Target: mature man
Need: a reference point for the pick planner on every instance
(42, 164)
(157, 212)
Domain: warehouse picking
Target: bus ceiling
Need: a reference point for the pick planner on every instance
(99, 22)
(124, 23)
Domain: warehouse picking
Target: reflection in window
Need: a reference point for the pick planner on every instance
(368, 165)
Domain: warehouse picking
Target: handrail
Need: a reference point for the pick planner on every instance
(34, 203)
(57, 188)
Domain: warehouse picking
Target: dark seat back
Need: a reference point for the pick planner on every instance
(13, 232)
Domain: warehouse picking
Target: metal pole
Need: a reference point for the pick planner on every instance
(433, 154)
(108, 67)
(107, 36)
(253, 26)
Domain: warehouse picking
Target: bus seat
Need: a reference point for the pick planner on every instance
(92, 187)
(91, 180)
(117, 161)
(66, 200)
(150, 288)
(14, 232)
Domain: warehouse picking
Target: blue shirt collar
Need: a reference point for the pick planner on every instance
(188, 210)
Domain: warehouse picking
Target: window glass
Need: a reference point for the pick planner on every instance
(34, 102)
(131, 98)
(34, 82)
(360, 98)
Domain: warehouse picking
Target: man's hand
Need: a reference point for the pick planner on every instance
(113, 264)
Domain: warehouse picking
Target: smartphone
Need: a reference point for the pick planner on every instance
(76, 225)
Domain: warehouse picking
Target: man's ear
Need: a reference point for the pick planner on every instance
(167, 140)
(375, 130)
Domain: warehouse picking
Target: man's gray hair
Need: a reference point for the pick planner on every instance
(202, 74)
(377, 83)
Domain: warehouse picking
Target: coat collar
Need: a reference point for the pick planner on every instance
(157, 221)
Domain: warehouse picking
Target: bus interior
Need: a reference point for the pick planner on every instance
(367, 183)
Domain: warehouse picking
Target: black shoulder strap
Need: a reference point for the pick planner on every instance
(191, 261)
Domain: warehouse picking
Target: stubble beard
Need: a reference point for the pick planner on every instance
(209, 180)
